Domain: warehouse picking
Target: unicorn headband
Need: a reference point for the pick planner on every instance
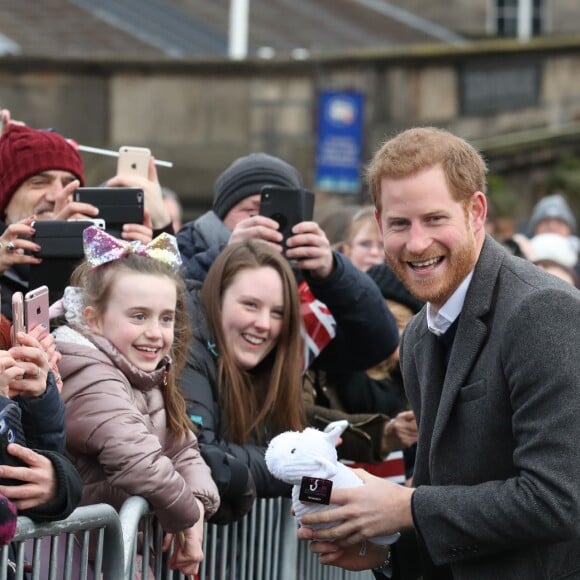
(101, 248)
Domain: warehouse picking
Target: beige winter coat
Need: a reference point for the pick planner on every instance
(118, 439)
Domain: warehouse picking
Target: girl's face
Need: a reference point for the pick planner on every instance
(366, 247)
(252, 313)
(139, 317)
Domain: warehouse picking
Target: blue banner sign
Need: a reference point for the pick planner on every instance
(339, 144)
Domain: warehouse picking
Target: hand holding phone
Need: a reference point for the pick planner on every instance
(117, 205)
(286, 205)
(30, 311)
(10, 432)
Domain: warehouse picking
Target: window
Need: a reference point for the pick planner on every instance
(507, 17)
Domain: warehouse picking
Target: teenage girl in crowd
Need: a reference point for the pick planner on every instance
(243, 381)
(128, 432)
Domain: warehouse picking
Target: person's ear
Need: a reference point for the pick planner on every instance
(478, 210)
(92, 319)
(344, 248)
(379, 221)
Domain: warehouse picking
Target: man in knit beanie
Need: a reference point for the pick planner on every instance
(39, 172)
(552, 215)
(366, 332)
(236, 198)
(35, 166)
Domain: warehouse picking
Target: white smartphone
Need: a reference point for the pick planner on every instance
(134, 160)
(36, 308)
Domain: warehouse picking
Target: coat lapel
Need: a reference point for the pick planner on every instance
(472, 331)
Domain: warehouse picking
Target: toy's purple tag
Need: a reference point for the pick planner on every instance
(315, 490)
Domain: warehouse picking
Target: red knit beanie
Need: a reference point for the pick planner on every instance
(24, 152)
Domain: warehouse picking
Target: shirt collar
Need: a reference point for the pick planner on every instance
(438, 321)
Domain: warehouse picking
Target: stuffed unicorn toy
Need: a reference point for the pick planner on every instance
(312, 453)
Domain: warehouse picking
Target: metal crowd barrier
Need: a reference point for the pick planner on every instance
(82, 547)
(261, 546)
(96, 543)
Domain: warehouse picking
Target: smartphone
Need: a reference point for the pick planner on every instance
(17, 315)
(134, 160)
(286, 205)
(117, 205)
(36, 308)
(61, 250)
(98, 222)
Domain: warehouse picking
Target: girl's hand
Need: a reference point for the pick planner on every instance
(48, 344)
(34, 364)
(9, 371)
(188, 554)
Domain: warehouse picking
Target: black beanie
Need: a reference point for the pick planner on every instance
(392, 288)
(247, 175)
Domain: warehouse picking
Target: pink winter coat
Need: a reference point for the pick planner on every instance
(118, 439)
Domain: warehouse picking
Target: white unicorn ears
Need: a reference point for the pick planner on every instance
(334, 430)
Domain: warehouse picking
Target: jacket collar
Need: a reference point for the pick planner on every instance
(472, 331)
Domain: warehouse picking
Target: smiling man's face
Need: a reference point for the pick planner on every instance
(431, 241)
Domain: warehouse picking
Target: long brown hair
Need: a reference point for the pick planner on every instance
(268, 399)
(96, 284)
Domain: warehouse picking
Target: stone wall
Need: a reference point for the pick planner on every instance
(202, 115)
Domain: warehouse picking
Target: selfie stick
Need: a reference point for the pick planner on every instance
(111, 153)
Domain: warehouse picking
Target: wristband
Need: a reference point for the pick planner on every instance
(386, 565)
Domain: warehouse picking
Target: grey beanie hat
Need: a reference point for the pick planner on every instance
(247, 175)
(552, 206)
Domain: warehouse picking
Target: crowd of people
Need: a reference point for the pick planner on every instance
(179, 350)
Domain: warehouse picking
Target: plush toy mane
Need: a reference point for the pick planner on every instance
(294, 454)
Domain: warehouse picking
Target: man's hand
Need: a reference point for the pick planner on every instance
(348, 558)
(65, 208)
(139, 232)
(13, 245)
(311, 249)
(377, 508)
(39, 479)
(151, 190)
(258, 227)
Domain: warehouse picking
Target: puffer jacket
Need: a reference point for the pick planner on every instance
(117, 434)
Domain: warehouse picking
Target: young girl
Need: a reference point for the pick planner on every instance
(243, 382)
(363, 244)
(127, 429)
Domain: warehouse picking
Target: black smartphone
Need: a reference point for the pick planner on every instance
(61, 250)
(117, 205)
(286, 205)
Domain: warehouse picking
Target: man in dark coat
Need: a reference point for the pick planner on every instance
(490, 366)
